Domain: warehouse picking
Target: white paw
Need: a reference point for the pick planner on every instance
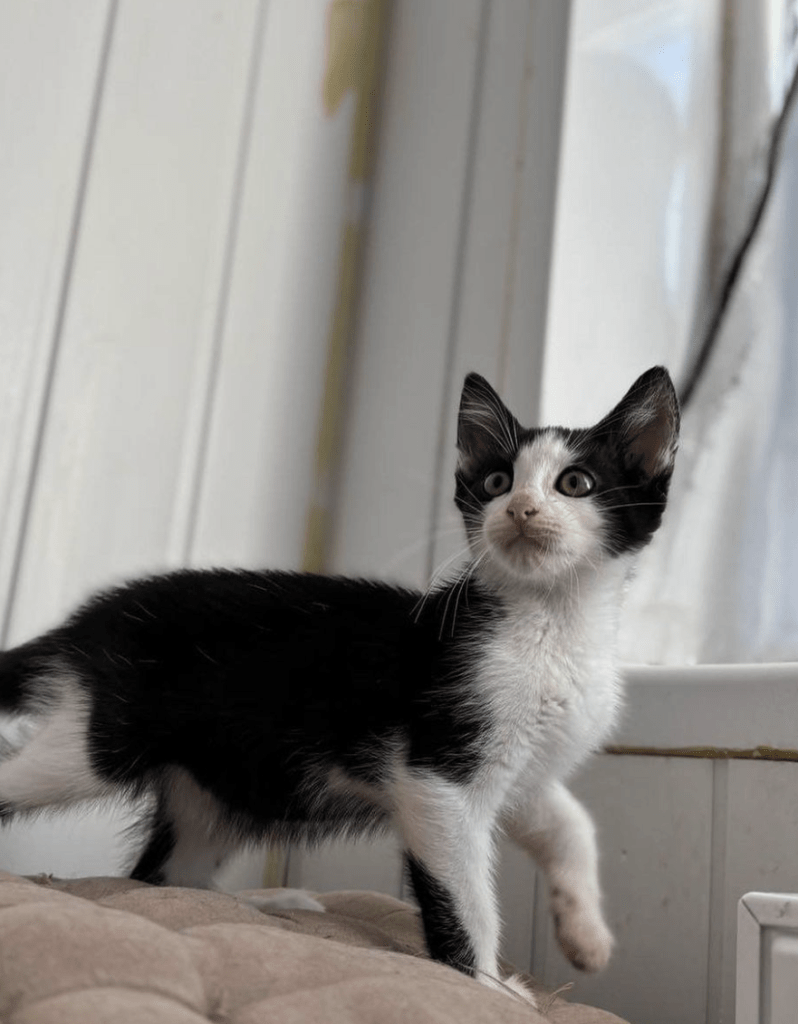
(286, 899)
(584, 938)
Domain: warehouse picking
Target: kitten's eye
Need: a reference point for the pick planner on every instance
(497, 483)
(575, 483)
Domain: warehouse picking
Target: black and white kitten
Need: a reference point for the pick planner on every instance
(292, 707)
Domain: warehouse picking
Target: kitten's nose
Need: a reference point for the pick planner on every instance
(521, 508)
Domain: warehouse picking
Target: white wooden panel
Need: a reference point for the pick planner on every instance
(142, 301)
(501, 301)
(277, 317)
(457, 263)
(375, 865)
(138, 320)
(759, 855)
(45, 122)
(399, 376)
(76, 845)
(726, 706)
(531, 255)
(654, 818)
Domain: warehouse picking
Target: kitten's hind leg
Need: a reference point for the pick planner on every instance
(188, 840)
(53, 766)
(160, 843)
(559, 834)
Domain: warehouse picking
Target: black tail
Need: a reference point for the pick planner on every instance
(19, 668)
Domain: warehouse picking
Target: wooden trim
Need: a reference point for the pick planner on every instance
(760, 753)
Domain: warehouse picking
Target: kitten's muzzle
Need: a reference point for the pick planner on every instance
(521, 509)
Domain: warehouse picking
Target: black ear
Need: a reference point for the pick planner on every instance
(485, 426)
(645, 424)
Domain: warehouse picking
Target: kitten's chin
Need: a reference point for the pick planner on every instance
(534, 560)
(527, 554)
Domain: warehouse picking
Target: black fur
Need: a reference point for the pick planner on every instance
(257, 682)
(161, 842)
(447, 940)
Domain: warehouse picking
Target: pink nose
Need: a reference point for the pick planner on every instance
(521, 508)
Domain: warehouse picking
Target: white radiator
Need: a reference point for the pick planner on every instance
(767, 958)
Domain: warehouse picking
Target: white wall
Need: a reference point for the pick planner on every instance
(173, 194)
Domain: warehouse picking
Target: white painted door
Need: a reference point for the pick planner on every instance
(173, 198)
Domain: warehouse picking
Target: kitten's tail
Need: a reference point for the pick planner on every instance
(21, 669)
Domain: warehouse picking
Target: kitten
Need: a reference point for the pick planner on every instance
(294, 707)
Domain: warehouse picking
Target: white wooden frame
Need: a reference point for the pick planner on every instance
(727, 707)
(767, 958)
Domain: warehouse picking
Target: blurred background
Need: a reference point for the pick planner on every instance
(249, 249)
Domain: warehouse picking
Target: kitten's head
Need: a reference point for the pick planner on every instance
(540, 503)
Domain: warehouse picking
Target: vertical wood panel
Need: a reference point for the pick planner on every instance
(277, 315)
(45, 121)
(654, 824)
(502, 300)
(399, 376)
(140, 306)
(139, 312)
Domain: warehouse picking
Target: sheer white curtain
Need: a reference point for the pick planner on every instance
(669, 128)
(721, 585)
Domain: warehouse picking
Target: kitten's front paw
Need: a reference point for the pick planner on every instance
(585, 939)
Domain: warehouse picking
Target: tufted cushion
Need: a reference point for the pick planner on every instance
(109, 950)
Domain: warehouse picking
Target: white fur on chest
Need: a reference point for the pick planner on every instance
(549, 677)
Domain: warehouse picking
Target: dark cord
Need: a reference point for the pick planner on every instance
(694, 375)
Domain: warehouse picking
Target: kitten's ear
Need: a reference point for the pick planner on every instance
(646, 424)
(484, 425)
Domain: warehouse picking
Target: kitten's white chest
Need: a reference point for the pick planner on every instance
(550, 679)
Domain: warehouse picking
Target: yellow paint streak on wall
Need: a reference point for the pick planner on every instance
(275, 868)
(356, 31)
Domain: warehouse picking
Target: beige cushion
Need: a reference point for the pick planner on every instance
(97, 950)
